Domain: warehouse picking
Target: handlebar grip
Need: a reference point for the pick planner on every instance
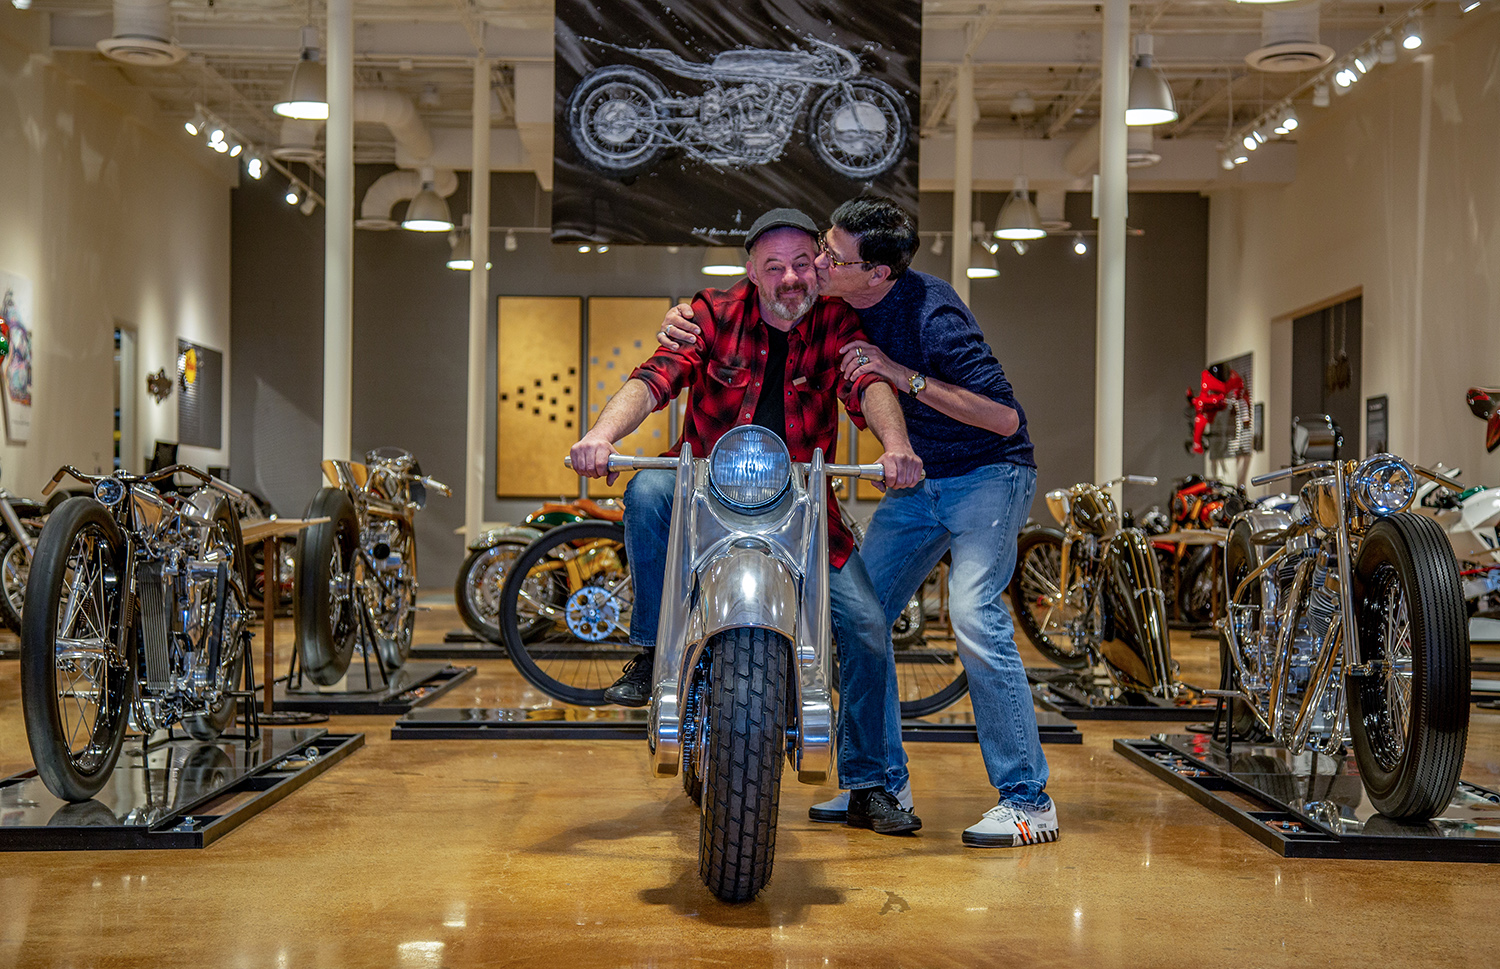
(228, 488)
(629, 462)
(1140, 479)
(869, 472)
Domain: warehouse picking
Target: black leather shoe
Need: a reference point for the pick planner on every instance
(633, 689)
(878, 810)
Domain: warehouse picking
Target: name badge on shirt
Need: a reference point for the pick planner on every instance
(799, 382)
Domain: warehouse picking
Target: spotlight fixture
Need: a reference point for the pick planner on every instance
(1250, 143)
(1082, 248)
(428, 212)
(216, 134)
(1365, 61)
(308, 204)
(1320, 94)
(219, 146)
(1018, 216)
(1412, 39)
(1241, 158)
(460, 259)
(1260, 138)
(21, 4)
(510, 241)
(195, 124)
(1344, 78)
(585, 248)
(1020, 247)
(1464, 6)
(235, 148)
(602, 249)
(1289, 119)
(1226, 162)
(981, 262)
(1150, 98)
(937, 244)
(723, 261)
(255, 166)
(293, 196)
(1387, 50)
(306, 95)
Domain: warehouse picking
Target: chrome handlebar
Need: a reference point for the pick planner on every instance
(629, 462)
(153, 477)
(1313, 466)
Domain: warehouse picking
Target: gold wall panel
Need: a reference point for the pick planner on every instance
(538, 416)
(620, 335)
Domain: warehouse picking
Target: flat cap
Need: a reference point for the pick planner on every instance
(780, 219)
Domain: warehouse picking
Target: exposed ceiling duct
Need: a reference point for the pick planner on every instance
(375, 211)
(299, 138)
(143, 35)
(1289, 41)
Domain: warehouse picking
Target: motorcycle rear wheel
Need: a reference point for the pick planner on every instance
(584, 619)
(613, 120)
(859, 129)
(1410, 718)
(14, 569)
(76, 700)
(212, 723)
(747, 712)
(1197, 587)
(1036, 583)
(477, 590)
(1239, 562)
(324, 606)
(395, 627)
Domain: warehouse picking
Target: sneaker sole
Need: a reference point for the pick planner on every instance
(886, 828)
(827, 815)
(1007, 840)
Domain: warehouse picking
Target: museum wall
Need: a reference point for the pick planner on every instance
(411, 337)
(1412, 221)
(117, 220)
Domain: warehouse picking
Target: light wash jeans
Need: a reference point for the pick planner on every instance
(866, 659)
(978, 516)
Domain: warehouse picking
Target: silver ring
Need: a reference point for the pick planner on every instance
(862, 359)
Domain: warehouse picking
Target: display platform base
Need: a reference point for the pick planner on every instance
(614, 723)
(1083, 696)
(411, 686)
(1314, 806)
(461, 649)
(1484, 631)
(176, 794)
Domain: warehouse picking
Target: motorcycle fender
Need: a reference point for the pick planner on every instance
(1135, 644)
(747, 587)
(506, 533)
(668, 672)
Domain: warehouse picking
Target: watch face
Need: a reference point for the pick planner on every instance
(917, 382)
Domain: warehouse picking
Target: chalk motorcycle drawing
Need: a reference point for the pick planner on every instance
(622, 119)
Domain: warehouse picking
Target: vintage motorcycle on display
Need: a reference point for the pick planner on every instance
(356, 573)
(1471, 520)
(1484, 403)
(136, 611)
(743, 673)
(491, 555)
(1190, 570)
(20, 522)
(1090, 593)
(622, 119)
(1346, 620)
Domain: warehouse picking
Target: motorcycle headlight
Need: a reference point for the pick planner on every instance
(1384, 484)
(109, 491)
(1057, 503)
(749, 467)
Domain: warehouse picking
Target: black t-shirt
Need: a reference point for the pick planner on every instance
(770, 411)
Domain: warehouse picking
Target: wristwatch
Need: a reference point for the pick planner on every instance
(918, 383)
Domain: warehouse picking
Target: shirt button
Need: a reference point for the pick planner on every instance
(762, 353)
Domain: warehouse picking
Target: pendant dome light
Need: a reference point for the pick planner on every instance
(428, 212)
(1018, 216)
(723, 261)
(306, 95)
(1150, 100)
(981, 261)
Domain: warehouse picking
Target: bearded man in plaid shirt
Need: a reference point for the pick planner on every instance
(770, 356)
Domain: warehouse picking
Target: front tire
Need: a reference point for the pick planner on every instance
(1410, 718)
(76, 694)
(747, 715)
(859, 129)
(324, 611)
(1035, 591)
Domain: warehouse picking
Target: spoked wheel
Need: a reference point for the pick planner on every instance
(859, 128)
(477, 590)
(324, 608)
(76, 683)
(573, 587)
(929, 676)
(1239, 561)
(223, 616)
(613, 119)
(746, 715)
(15, 567)
(1410, 715)
(1036, 593)
(1199, 587)
(392, 593)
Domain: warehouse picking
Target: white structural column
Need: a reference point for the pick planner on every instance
(963, 172)
(338, 238)
(1109, 353)
(1412, 448)
(479, 299)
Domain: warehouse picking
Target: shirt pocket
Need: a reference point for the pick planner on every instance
(817, 405)
(729, 375)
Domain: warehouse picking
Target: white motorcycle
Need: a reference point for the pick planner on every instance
(1471, 520)
(623, 120)
(744, 660)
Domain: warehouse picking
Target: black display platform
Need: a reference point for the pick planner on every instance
(1066, 692)
(1312, 805)
(178, 794)
(411, 686)
(462, 649)
(615, 723)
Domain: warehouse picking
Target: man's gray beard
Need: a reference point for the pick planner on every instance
(796, 314)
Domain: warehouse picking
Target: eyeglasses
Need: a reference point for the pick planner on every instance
(834, 261)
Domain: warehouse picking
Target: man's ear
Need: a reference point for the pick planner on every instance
(879, 275)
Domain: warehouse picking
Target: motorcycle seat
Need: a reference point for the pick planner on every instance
(762, 63)
(596, 510)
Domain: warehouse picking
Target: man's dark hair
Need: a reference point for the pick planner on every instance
(887, 235)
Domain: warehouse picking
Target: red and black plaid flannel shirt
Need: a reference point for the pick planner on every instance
(724, 374)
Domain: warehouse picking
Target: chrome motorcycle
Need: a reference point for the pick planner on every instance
(21, 519)
(356, 572)
(1090, 593)
(622, 119)
(136, 610)
(1346, 623)
(743, 669)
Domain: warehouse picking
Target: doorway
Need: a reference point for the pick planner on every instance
(1327, 349)
(127, 397)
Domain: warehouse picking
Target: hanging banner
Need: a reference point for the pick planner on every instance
(680, 124)
(17, 320)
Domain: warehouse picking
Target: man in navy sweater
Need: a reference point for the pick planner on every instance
(966, 426)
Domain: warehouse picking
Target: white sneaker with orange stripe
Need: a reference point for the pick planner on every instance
(1009, 826)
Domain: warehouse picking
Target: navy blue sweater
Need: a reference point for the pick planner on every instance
(922, 324)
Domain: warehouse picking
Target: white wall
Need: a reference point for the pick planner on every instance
(1350, 220)
(117, 217)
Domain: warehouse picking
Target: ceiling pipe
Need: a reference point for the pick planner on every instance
(299, 138)
(375, 211)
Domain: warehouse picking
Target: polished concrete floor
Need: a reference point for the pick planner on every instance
(499, 853)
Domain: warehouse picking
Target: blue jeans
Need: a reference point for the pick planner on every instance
(978, 516)
(866, 660)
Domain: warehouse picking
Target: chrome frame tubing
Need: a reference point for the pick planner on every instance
(22, 534)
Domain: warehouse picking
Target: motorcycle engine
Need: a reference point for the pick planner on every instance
(1320, 607)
